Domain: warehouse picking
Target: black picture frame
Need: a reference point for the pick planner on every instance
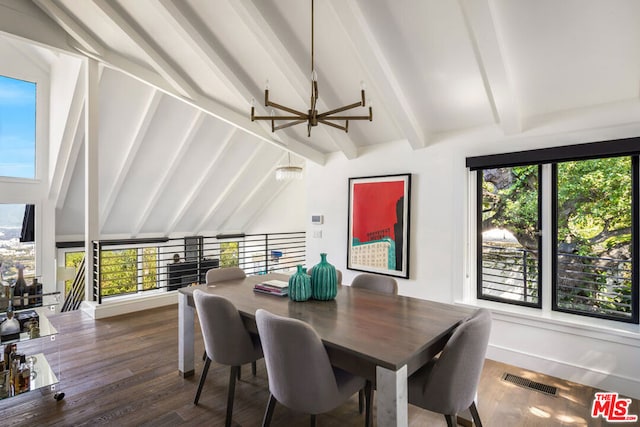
(379, 224)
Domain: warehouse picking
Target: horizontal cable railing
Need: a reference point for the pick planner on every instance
(510, 273)
(127, 267)
(593, 285)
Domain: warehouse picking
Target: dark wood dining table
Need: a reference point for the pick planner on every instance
(384, 338)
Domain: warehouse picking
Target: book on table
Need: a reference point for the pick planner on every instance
(273, 287)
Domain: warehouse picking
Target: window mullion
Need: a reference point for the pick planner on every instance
(547, 237)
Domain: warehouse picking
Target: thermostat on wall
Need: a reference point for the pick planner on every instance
(317, 219)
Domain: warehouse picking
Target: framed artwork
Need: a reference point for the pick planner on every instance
(378, 240)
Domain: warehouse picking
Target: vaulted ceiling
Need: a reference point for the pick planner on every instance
(179, 152)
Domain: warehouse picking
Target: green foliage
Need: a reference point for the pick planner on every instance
(593, 222)
(594, 204)
(149, 268)
(229, 254)
(72, 259)
(119, 271)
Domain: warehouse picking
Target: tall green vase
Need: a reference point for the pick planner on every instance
(324, 280)
(299, 285)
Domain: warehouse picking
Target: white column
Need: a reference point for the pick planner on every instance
(391, 397)
(186, 318)
(91, 210)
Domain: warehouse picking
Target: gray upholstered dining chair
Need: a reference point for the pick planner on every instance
(221, 274)
(226, 340)
(448, 383)
(376, 282)
(216, 275)
(300, 374)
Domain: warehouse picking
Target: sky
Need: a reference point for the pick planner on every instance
(17, 128)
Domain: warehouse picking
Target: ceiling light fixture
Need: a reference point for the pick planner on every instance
(288, 172)
(311, 117)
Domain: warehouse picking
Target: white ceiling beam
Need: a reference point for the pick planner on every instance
(69, 144)
(157, 58)
(154, 79)
(487, 48)
(166, 175)
(222, 196)
(372, 58)
(257, 189)
(71, 27)
(199, 186)
(201, 102)
(129, 156)
(299, 75)
(33, 55)
(78, 142)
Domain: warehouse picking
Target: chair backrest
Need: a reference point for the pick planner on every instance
(226, 339)
(375, 282)
(338, 274)
(451, 387)
(221, 274)
(300, 374)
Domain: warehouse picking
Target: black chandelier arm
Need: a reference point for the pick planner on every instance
(287, 109)
(286, 125)
(369, 117)
(344, 128)
(272, 118)
(339, 110)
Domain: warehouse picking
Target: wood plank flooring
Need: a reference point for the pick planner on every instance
(122, 371)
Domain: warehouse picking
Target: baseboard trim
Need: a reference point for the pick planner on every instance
(629, 387)
(128, 305)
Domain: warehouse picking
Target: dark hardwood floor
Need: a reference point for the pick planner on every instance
(122, 371)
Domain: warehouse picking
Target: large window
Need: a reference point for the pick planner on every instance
(593, 237)
(17, 128)
(15, 253)
(593, 232)
(509, 238)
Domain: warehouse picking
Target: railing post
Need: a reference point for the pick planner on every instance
(266, 253)
(95, 266)
(524, 272)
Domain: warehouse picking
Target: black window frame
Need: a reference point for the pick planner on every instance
(635, 239)
(553, 156)
(479, 242)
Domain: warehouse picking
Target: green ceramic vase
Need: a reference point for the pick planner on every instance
(299, 285)
(324, 280)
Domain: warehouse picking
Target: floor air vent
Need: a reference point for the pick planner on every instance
(525, 383)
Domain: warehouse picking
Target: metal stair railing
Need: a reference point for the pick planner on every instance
(75, 296)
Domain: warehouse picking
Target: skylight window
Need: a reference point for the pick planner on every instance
(17, 128)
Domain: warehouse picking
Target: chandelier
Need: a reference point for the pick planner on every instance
(288, 172)
(311, 117)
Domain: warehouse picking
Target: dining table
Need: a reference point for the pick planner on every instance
(383, 338)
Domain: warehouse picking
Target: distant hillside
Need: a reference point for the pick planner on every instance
(11, 215)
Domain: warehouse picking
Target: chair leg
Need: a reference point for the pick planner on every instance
(253, 368)
(474, 414)
(239, 373)
(451, 420)
(313, 420)
(203, 377)
(230, 394)
(361, 401)
(266, 422)
(204, 355)
(368, 414)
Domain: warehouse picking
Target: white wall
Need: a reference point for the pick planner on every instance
(286, 212)
(588, 351)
